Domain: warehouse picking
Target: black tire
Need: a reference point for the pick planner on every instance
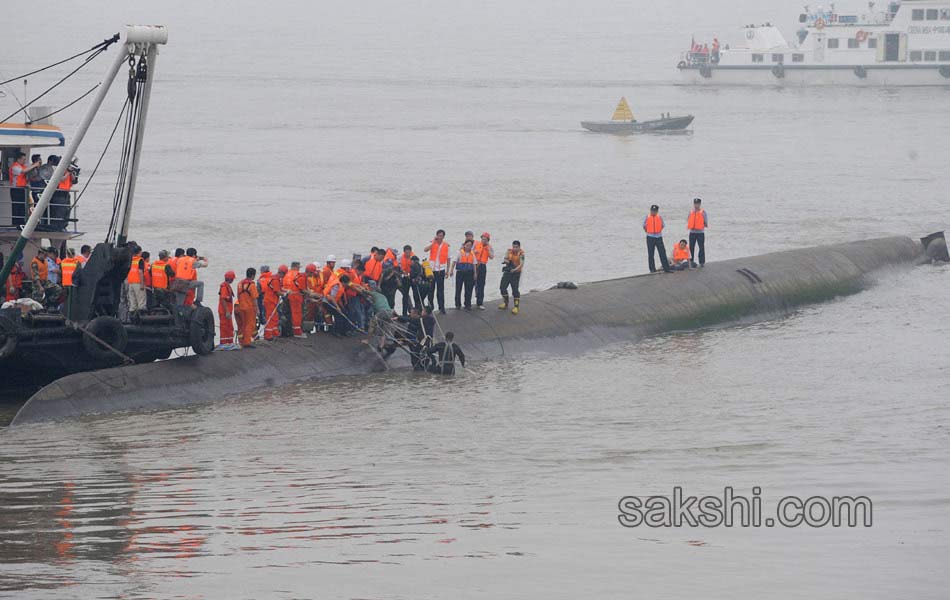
(8, 338)
(201, 331)
(860, 72)
(778, 71)
(111, 331)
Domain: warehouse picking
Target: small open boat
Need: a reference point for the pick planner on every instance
(624, 123)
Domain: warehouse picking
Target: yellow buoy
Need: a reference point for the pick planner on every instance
(623, 112)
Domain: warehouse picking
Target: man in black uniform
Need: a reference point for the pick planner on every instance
(442, 356)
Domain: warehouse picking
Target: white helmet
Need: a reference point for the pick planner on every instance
(346, 263)
(331, 258)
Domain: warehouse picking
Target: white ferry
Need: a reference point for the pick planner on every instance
(906, 44)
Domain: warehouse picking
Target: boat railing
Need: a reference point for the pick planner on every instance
(59, 215)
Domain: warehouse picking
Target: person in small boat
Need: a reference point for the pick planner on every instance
(681, 256)
(442, 356)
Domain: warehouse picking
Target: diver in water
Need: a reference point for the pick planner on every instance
(442, 356)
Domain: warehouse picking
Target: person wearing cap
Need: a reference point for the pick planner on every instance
(653, 226)
(404, 268)
(247, 295)
(464, 264)
(697, 222)
(483, 253)
(162, 274)
(294, 284)
(329, 267)
(226, 310)
(313, 293)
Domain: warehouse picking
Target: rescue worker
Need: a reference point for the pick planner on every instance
(465, 266)
(136, 283)
(511, 268)
(19, 175)
(483, 253)
(314, 291)
(334, 301)
(374, 265)
(162, 275)
(226, 309)
(149, 297)
(697, 224)
(438, 251)
(681, 256)
(69, 266)
(84, 253)
(294, 284)
(442, 356)
(653, 226)
(389, 281)
(247, 308)
(270, 288)
(186, 276)
(329, 267)
(44, 291)
(173, 261)
(405, 278)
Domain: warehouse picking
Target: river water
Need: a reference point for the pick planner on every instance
(293, 131)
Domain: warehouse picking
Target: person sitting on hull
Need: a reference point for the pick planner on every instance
(681, 256)
(442, 356)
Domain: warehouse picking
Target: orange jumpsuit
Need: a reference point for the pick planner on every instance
(315, 285)
(14, 282)
(270, 285)
(294, 284)
(247, 310)
(225, 310)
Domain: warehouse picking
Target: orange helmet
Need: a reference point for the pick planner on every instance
(311, 268)
(282, 269)
(229, 276)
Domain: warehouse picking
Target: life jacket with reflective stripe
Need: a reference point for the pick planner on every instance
(654, 224)
(135, 272)
(185, 268)
(440, 251)
(481, 253)
(270, 285)
(696, 221)
(247, 295)
(68, 267)
(159, 276)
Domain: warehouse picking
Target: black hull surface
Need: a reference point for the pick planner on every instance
(553, 321)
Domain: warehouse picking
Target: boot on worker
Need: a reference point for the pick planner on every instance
(511, 276)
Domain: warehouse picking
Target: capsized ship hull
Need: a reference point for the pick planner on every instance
(552, 321)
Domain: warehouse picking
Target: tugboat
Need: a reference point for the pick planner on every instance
(623, 123)
(907, 43)
(45, 335)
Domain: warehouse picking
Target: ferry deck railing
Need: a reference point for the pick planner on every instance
(58, 216)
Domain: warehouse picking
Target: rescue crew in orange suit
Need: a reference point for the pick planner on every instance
(246, 313)
(270, 288)
(226, 309)
(314, 292)
(294, 285)
(14, 283)
(281, 271)
(328, 268)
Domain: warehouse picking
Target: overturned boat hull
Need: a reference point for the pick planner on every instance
(552, 321)
(631, 127)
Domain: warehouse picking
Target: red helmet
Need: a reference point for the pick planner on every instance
(229, 275)
(282, 269)
(311, 268)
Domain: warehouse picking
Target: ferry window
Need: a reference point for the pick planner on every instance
(930, 55)
(917, 14)
(853, 43)
(832, 42)
(915, 55)
(872, 42)
(778, 58)
(944, 55)
(931, 14)
(945, 14)
(757, 58)
(798, 58)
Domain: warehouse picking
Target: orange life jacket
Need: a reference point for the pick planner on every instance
(390, 255)
(466, 258)
(66, 183)
(680, 254)
(696, 221)
(513, 258)
(247, 295)
(185, 268)
(334, 280)
(69, 267)
(135, 273)
(270, 285)
(292, 281)
(159, 276)
(354, 281)
(21, 179)
(654, 224)
(405, 263)
(148, 274)
(41, 267)
(442, 250)
(481, 252)
(326, 272)
(374, 269)
(315, 282)
(14, 283)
